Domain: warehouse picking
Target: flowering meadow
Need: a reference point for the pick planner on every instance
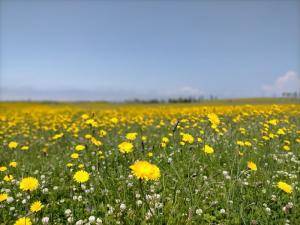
(99, 164)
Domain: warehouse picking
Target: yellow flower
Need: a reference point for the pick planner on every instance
(23, 221)
(286, 148)
(285, 187)
(29, 184)
(69, 164)
(150, 154)
(36, 206)
(214, 119)
(208, 150)
(75, 156)
(131, 136)
(3, 168)
(8, 178)
(81, 176)
(13, 144)
(125, 147)
(79, 147)
(145, 170)
(3, 197)
(57, 136)
(187, 138)
(252, 166)
(24, 148)
(13, 164)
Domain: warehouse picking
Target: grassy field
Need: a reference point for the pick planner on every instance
(97, 163)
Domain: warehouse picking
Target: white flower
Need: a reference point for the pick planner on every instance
(222, 211)
(92, 219)
(79, 222)
(199, 211)
(10, 199)
(122, 207)
(99, 221)
(68, 212)
(45, 220)
(139, 202)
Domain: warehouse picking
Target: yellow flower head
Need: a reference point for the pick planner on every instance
(79, 147)
(3, 197)
(13, 164)
(8, 178)
(131, 136)
(208, 150)
(29, 184)
(81, 176)
(23, 221)
(125, 147)
(145, 170)
(36, 206)
(252, 166)
(214, 119)
(24, 148)
(13, 144)
(3, 168)
(285, 187)
(187, 138)
(75, 156)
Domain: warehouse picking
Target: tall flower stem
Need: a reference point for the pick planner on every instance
(144, 196)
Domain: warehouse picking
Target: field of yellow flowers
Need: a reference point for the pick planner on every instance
(149, 164)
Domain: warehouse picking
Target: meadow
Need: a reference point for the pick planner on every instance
(99, 164)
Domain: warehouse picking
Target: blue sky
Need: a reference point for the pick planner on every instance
(115, 50)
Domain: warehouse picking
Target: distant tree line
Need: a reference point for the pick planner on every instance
(173, 100)
(291, 94)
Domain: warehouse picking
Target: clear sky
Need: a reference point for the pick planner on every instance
(114, 50)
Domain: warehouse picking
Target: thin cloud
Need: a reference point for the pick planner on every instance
(289, 82)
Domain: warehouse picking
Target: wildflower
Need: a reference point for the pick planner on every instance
(13, 164)
(29, 184)
(208, 150)
(131, 136)
(75, 156)
(125, 147)
(252, 166)
(3, 168)
(214, 120)
(23, 221)
(24, 148)
(79, 147)
(36, 206)
(81, 176)
(45, 220)
(13, 144)
(285, 187)
(145, 170)
(8, 178)
(3, 197)
(187, 138)
(286, 148)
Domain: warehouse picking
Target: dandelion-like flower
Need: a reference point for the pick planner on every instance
(252, 166)
(3, 197)
(29, 184)
(79, 147)
(12, 144)
(81, 176)
(23, 221)
(145, 170)
(188, 138)
(285, 187)
(208, 150)
(36, 206)
(125, 147)
(131, 136)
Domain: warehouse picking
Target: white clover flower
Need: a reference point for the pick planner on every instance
(10, 199)
(92, 219)
(199, 211)
(222, 211)
(68, 212)
(79, 222)
(122, 207)
(45, 220)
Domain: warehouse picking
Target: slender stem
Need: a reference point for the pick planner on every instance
(144, 196)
